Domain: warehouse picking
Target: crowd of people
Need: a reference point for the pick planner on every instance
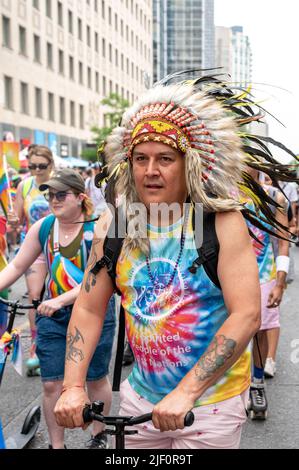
(197, 342)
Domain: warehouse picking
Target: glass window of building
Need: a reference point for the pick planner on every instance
(97, 82)
(82, 118)
(49, 8)
(24, 98)
(51, 107)
(60, 14)
(38, 103)
(49, 55)
(81, 79)
(96, 42)
(80, 29)
(62, 110)
(36, 48)
(89, 84)
(22, 41)
(73, 113)
(104, 86)
(36, 4)
(71, 68)
(88, 36)
(6, 34)
(70, 21)
(61, 62)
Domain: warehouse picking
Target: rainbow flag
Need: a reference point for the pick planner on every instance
(4, 187)
(11, 150)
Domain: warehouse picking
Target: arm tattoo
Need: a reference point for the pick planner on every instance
(30, 271)
(72, 353)
(90, 277)
(218, 352)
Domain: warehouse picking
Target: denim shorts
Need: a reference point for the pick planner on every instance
(3, 318)
(51, 345)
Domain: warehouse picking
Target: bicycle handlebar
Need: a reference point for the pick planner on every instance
(16, 304)
(93, 412)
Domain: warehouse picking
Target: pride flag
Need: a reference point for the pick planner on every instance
(4, 187)
(11, 150)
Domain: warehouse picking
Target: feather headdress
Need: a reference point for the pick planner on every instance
(206, 120)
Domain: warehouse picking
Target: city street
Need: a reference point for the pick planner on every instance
(280, 431)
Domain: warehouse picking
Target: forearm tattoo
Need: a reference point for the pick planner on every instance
(74, 353)
(218, 352)
(90, 278)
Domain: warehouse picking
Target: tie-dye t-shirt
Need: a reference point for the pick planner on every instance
(264, 252)
(170, 328)
(35, 205)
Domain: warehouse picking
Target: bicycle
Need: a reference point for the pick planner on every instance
(32, 420)
(94, 412)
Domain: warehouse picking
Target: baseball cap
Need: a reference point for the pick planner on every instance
(63, 180)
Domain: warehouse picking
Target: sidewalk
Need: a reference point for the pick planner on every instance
(281, 430)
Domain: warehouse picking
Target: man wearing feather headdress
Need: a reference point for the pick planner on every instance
(180, 143)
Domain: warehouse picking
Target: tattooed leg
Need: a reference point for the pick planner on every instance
(219, 351)
(74, 353)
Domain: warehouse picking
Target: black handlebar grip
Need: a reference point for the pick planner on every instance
(189, 419)
(87, 414)
(36, 303)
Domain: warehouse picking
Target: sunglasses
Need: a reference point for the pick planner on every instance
(41, 166)
(60, 196)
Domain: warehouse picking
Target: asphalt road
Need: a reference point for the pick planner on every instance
(281, 430)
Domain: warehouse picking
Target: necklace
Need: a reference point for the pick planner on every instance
(182, 244)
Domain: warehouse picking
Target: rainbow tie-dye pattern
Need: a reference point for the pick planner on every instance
(35, 205)
(169, 329)
(264, 251)
(67, 273)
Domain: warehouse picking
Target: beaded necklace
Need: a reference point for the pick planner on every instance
(182, 244)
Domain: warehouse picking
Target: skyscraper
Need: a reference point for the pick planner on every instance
(160, 39)
(185, 30)
(233, 53)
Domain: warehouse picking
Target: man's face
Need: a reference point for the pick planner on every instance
(159, 174)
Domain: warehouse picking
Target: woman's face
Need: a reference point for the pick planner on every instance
(40, 166)
(65, 204)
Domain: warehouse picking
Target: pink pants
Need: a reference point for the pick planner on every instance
(216, 426)
(270, 316)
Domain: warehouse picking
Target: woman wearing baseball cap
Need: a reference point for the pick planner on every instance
(65, 238)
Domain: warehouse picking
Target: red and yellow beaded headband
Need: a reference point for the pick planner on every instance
(159, 130)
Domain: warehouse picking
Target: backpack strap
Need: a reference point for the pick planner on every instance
(27, 186)
(112, 248)
(45, 229)
(209, 249)
(119, 351)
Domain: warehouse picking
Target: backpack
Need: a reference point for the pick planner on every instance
(207, 257)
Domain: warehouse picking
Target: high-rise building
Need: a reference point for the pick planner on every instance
(183, 35)
(160, 39)
(209, 35)
(59, 59)
(242, 56)
(233, 54)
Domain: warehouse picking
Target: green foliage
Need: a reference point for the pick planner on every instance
(116, 107)
(89, 154)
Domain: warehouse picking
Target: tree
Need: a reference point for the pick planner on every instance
(116, 106)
